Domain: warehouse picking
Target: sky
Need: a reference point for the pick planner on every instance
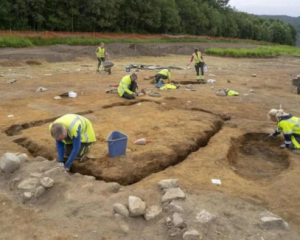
(268, 7)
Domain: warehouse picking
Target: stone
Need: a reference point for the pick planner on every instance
(23, 157)
(9, 162)
(53, 171)
(272, 221)
(152, 212)
(172, 194)
(27, 196)
(168, 183)
(191, 235)
(28, 184)
(173, 207)
(41, 89)
(136, 206)
(253, 75)
(121, 209)
(36, 175)
(47, 182)
(39, 158)
(123, 225)
(205, 217)
(113, 187)
(39, 192)
(89, 177)
(177, 220)
(57, 97)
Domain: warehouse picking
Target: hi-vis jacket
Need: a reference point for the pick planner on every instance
(100, 52)
(72, 122)
(124, 86)
(197, 57)
(166, 73)
(290, 127)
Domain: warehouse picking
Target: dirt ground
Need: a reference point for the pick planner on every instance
(189, 141)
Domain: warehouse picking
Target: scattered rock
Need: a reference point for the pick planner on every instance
(47, 182)
(36, 175)
(41, 159)
(31, 62)
(168, 183)
(113, 187)
(9, 162)
(173, 207)
(191, 235)
(272, 221)
(121, 209)
(136, 206)
(28, 184)
(251, 90)
(253, 75)
(23, 157)
(11, 81)
(172, 194)
(89, 177)
(39, 192)
(53, 171)
(152, 212)
(205, 217)
(225, 117)
(123, 225)
(177, 220)
(41, 89)
(28, 77)
(27, 196)
(57, 98)
(1, 75)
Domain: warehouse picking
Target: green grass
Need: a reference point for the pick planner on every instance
(258, 52)
(262, 51)
(19, 42)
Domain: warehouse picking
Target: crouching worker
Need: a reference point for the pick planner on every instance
(74, 135)
(164, 74)
(289, 126)
(128, 87)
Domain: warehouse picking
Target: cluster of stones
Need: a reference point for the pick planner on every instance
(33, 186)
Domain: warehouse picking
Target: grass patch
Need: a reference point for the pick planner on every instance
(259, 52)
(18, 42)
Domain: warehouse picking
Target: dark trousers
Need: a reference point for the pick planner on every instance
(199, 66)
(85, 147)
(100, 60)
(159, 76)
(132, 87)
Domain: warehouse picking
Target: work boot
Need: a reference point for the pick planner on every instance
(109, 71)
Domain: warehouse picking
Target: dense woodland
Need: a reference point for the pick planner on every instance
(195, 17)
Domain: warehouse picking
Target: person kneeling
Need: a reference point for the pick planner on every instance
(128, 87)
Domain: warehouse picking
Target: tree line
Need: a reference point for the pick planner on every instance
(196, 17)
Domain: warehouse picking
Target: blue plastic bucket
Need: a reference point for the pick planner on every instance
(117, 143)
(127, 69)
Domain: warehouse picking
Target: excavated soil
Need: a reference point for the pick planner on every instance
(195, 136)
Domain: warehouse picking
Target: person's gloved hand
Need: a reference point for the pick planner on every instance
(282, 146)
(271, 136)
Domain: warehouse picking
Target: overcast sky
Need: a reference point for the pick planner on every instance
(268, 7)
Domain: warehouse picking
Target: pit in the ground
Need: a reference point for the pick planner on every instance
(255, 157)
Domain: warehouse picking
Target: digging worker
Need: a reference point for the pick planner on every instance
(199, 64)
(101, 53)
(164, 74)
(74, 135)
(128, 87)
(289, 126)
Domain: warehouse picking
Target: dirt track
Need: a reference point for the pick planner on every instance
(190, 142)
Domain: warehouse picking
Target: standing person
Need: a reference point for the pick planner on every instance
(289, 126)
(199, 64)
(73, 134)
(101, 53)
(164, 74)
(128, 86)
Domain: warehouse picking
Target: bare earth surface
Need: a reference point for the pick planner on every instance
(190, 141)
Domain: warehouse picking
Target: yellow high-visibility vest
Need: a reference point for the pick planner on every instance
(124, 86)
(290, 126)
(72, 122)
(165, 72)
(100, 52)
(197, 57)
